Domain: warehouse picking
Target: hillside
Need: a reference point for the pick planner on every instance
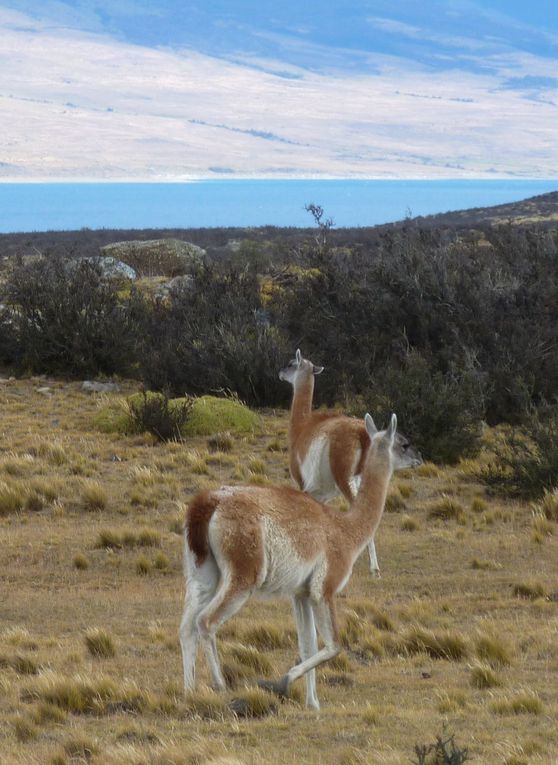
(541, 210)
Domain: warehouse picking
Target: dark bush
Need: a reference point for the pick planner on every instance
(443, 752)
(67, 318)
(213, 335)
(155, 413)
(8, 339)
(439, 412)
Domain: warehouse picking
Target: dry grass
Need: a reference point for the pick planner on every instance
(409, 524)
(438, 640)
(100, 643)
(94, 496)
(531, 589)
(438, 645)
(521, 703)
(446, 509)
(483, 676)
(494, 649)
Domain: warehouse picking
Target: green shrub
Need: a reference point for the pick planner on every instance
(212, 415)
(203, 416)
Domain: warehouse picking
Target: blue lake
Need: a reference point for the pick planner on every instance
(56, 206)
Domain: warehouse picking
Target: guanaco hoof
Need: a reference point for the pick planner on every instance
(278, 687)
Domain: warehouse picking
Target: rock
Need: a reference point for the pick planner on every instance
(157, 257)
(112, 268)
(94, 386)
(44, 391)
(179, 282)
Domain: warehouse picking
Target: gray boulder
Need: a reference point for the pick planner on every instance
(112, 268)
(157, 257)
(94, 386)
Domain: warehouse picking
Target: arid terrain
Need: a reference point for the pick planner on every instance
(459, 636)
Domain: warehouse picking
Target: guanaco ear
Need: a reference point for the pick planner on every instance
(317, 370)
(298, 356)
(371, 428)
(392, 427)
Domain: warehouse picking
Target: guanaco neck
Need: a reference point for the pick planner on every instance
(301, 407)
(365, 513)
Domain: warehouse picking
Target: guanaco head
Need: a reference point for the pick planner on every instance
(403, 455)
(299, 368)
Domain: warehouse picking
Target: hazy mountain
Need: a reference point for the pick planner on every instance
(135, 88)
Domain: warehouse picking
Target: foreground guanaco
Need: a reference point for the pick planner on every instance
(275, 541)
(326, 449)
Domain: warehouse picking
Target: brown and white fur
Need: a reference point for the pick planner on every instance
(326, 450)
(277, 541)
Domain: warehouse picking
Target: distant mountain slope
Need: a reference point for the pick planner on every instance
(542, 209)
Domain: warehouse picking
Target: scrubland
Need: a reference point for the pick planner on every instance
(459, 636)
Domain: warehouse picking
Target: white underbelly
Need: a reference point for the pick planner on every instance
(315, 470)
(284, 571)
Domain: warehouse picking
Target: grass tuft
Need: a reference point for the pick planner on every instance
(372, 613)
(250, 657)
(80, 562)
(80, 748)
(206, 704)
(254, 703)
(372, 715)
(143, 566)
(446, 509)
(100, 643)
(395, 501)
(442, 645)
(409, 524)
(86, 695)
(24, 665)
(93, 496)
(494, 649)
(24, 729)
(220, 442)
(45, 712)
(522, 703)
(479, 505)
(483, 676)
(530, 590)
(12, 497)
(428, 470)
(548, 506)
(267, 637)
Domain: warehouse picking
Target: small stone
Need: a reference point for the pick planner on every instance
(45, 391)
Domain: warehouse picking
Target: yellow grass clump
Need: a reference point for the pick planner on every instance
(522, 703)
(483, 676)
(438, 645)
(100, 643)
(93, 495)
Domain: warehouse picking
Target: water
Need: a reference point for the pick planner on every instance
(58, 206)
